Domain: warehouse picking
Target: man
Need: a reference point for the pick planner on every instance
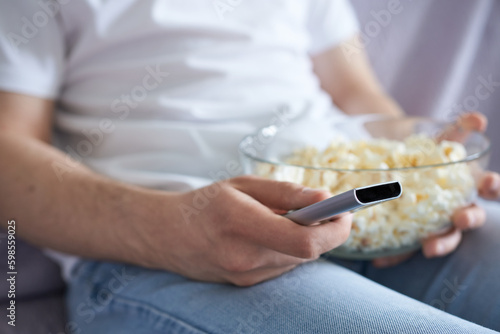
(149, 99)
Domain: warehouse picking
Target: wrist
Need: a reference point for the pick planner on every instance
(149, 226)
(373, 103)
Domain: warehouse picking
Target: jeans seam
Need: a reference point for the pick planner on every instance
(155, 311)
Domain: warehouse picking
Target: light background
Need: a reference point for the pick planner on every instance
(430, 54)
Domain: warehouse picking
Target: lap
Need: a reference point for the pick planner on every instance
(318, 297)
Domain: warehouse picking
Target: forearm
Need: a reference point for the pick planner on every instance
(82, 213)
(371, 103)
(351, 83)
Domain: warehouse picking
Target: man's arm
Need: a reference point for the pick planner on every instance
(351, 83)
(92, 216)
(84, 214)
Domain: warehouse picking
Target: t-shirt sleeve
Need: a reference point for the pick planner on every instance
(31, 48)
(330, 22)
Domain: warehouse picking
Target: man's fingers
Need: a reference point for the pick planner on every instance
(309, 242)
(469, 217)
(253, 277)
(460, 130)
(390, 261)
(431, 247)
(262, 258)
(489, 185)
(474, 121)
(442, 244)
(284, 236)
(465, 218)
(280, 196)
(270, 259)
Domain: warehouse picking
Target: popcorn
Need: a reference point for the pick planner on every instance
(430, 196)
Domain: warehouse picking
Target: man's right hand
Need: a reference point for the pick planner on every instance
(236, 234)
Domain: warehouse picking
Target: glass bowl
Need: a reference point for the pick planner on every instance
(439, 170)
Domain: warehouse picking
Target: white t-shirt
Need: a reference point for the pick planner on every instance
(160, 92)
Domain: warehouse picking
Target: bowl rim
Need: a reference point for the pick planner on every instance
(275, 129)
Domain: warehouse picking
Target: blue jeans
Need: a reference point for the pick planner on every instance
(459, 293)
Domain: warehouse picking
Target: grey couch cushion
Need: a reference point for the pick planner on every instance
(41, 315)
(39, 291)
(36, 274)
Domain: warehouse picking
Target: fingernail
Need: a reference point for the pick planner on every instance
(495, 185)
(440, 248)
(471, 217)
